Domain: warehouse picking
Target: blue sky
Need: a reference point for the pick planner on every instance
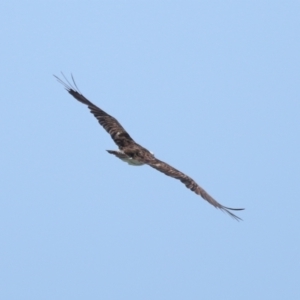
(212, 88)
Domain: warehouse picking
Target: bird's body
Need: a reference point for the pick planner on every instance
(136, 155)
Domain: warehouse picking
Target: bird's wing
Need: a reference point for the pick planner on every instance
(109, 123)
(190, 184)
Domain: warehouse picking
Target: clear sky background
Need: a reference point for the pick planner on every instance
(212, 88)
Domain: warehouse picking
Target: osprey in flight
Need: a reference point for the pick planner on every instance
(133, 153)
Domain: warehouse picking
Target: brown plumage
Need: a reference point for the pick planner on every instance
(135, 154)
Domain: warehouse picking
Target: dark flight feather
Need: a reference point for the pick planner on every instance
(190, 184)
(109, 123)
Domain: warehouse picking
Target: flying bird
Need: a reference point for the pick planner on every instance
(133, 153)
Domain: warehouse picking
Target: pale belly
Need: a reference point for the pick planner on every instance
(132, 162)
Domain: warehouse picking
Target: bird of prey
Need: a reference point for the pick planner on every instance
(133, 153)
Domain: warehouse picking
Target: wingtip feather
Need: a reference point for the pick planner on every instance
(227, 210)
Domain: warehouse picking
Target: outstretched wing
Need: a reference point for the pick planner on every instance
(109, 123)
(190, 184)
